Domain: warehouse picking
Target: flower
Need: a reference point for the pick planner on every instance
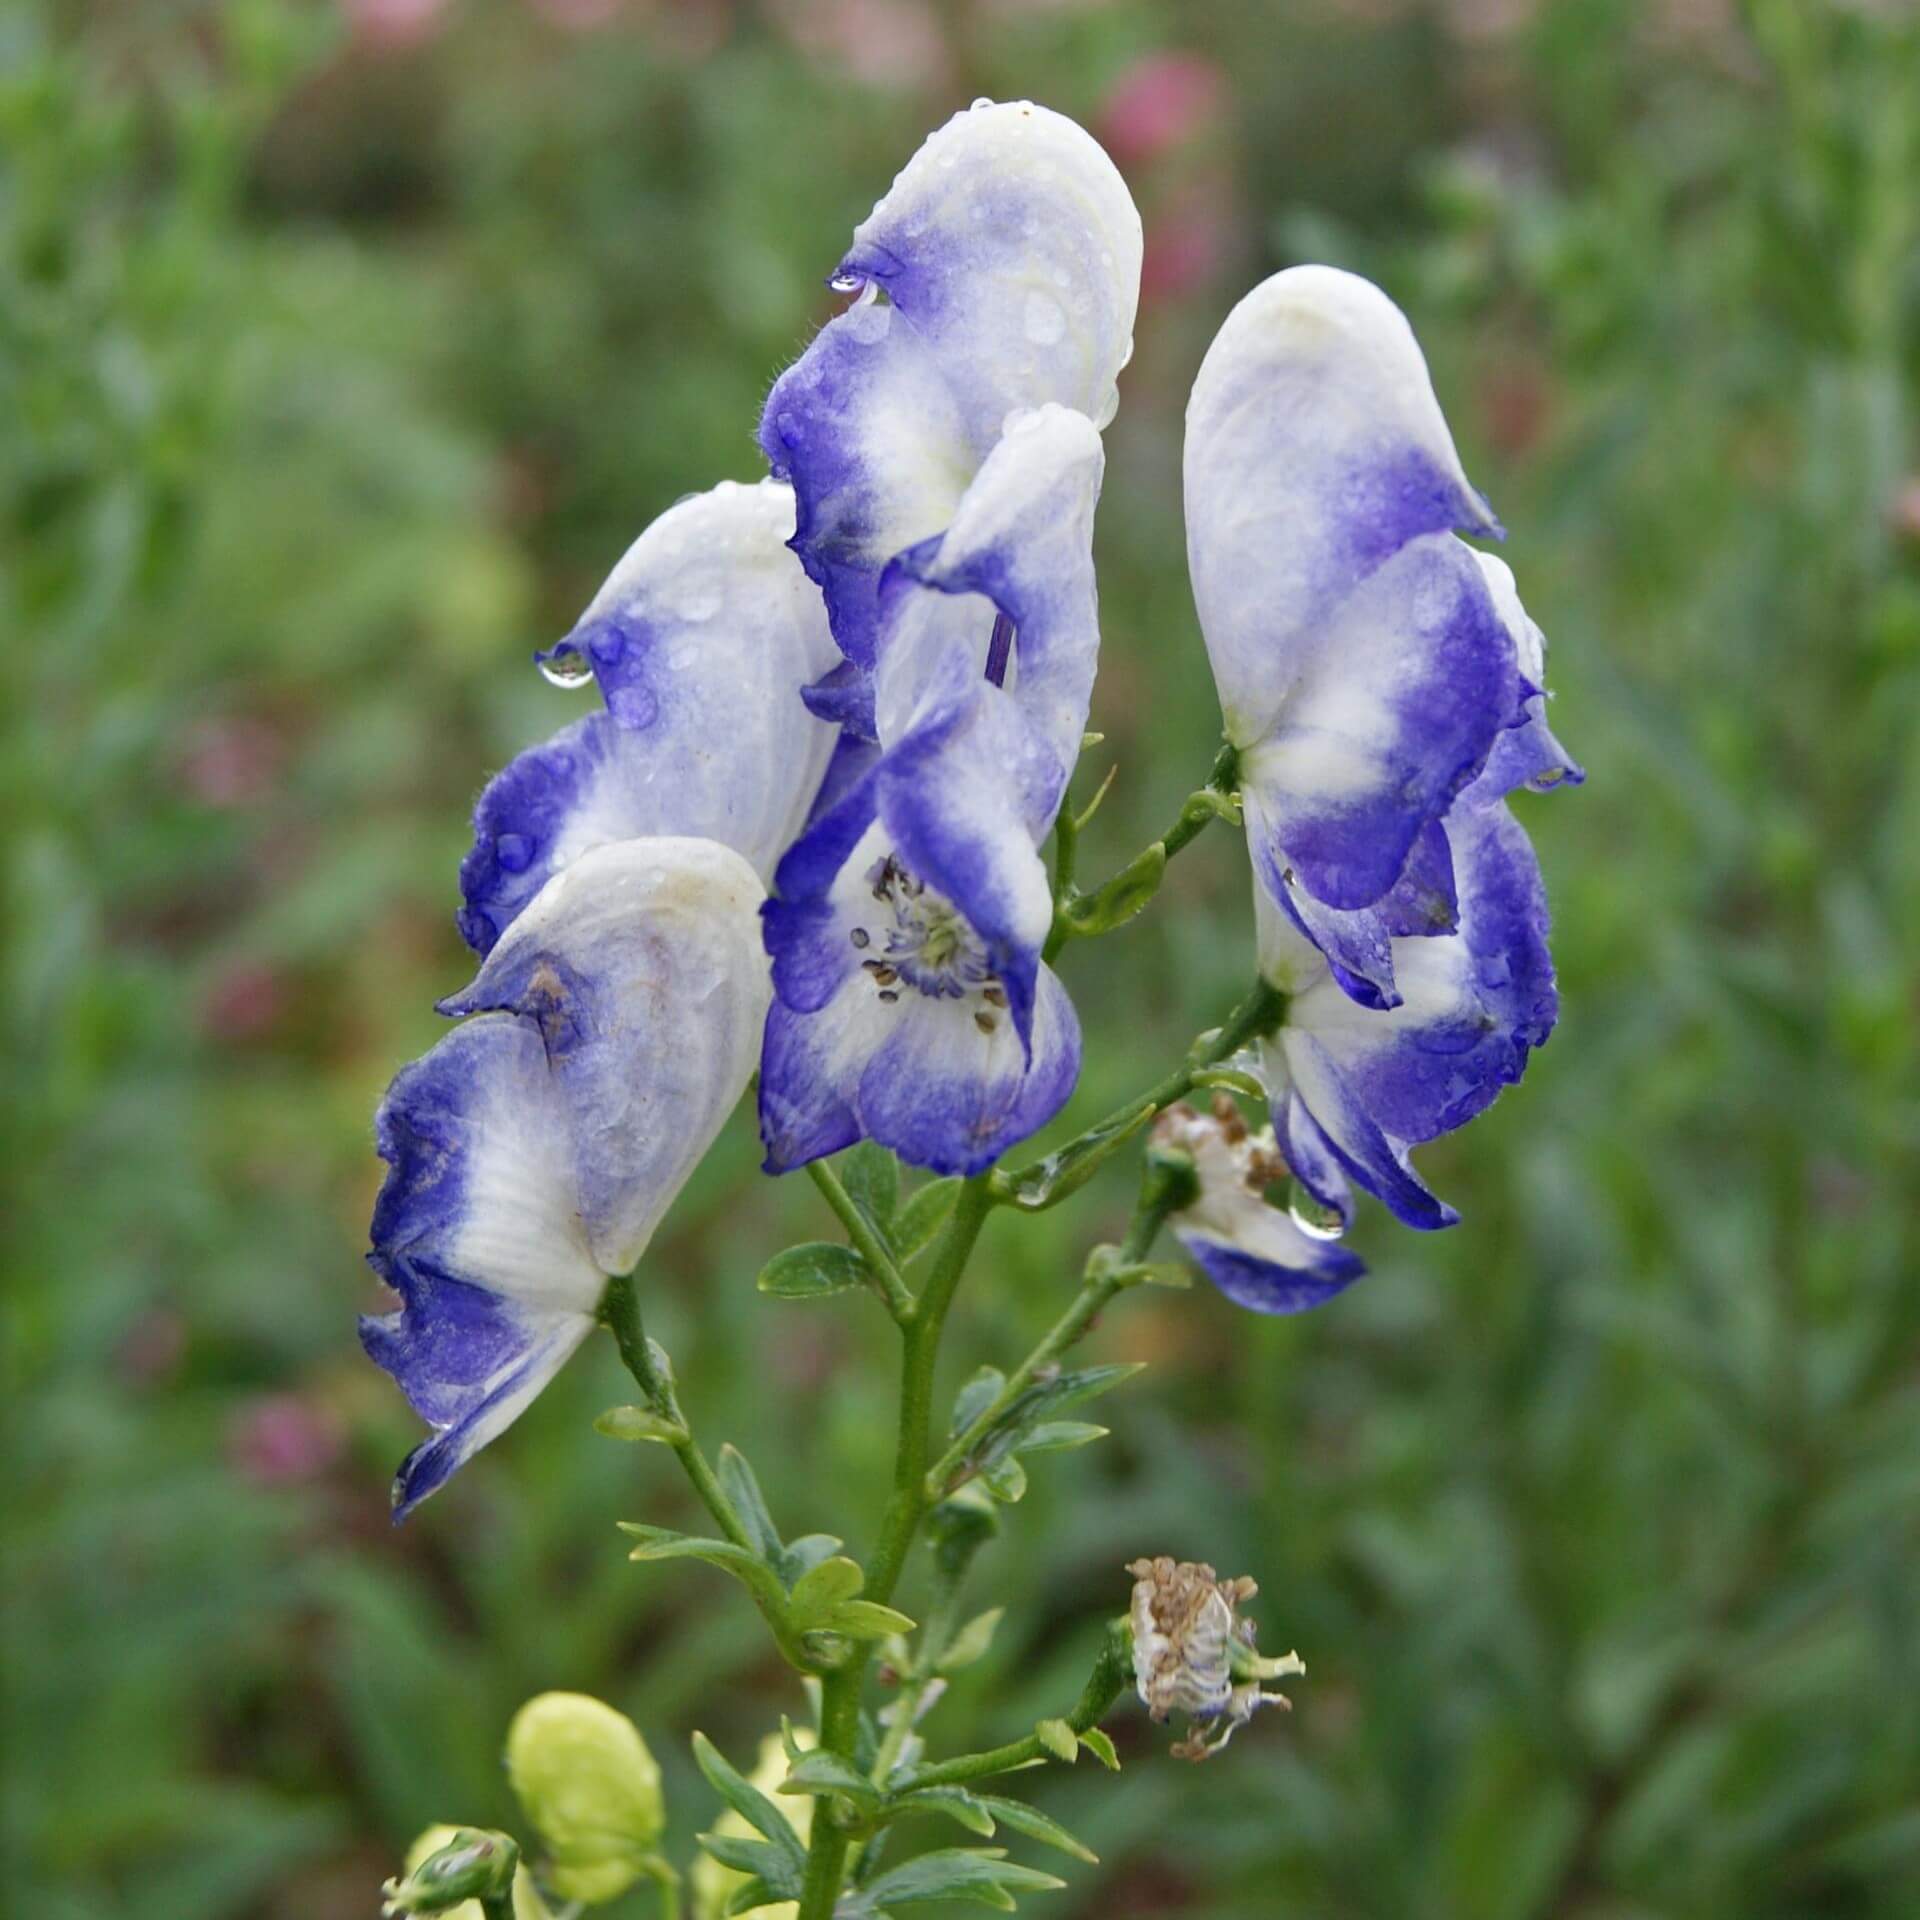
(534, 1150)
(1352, 1089)
(699, 640)
(1252, 1251)
(712, 1884)
(1000, 272)
(1193, 1652)
(587, 1782)
(1368, 662)
(911, 1005)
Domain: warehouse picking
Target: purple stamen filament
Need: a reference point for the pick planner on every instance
(998, 649)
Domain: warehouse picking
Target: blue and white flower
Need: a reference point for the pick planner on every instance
(1353, 1089)
(1368, 661)
(911, 1005)
(533, 1152)
(1000, 272)
(1253, 1251)
(700, 640)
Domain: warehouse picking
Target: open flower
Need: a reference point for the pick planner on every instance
(1253, 1251)
(1193, 1652)
(1001, 271)
(911, 1005)
(1368, 661)
(1353, 1089)
(533, 1152)
(701, 639)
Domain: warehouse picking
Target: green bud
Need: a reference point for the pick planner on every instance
(450, 1870)
(588, 1783)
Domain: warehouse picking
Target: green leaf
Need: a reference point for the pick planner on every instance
(1005, 1479)
(735, 1850)
(867, 1620)
(1036, 1826)
(639, 1423)
(1100, 1745)
(1046, 1182)
(799, 1557)
(1115, 903)
(751, 1896)
(660, 1543)
(971, 1642)
(759, 1813)
(1061, 1436)
(916, 1223)
(960, 1873)
(818, 1773)
(737, 1478)
(976, 1397)
(1059, 1739)
(871, 1176)
(813, 1271)
(955, 1802)
(817, 1592)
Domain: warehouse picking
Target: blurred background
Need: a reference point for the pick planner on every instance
(344, 346)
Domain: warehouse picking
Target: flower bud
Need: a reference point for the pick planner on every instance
(588, 1783)
(1193, 1653)
(714, 1885)
(450, 1870)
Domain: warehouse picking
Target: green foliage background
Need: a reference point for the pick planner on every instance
(335, 371)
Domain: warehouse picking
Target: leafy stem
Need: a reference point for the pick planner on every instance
(871, 1248)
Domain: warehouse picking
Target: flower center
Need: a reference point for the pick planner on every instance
(922, 940)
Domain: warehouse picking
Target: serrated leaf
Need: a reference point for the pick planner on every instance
(1005, 1479)
(867, 1620)
(1100, 1745)
(1061, 1436)
(925, 1213)
(1059, 1739)
(737, 1478)
(818, 1773)
(871, 1176)
(973, 1399)
(1036, 1826)
(1046, 1182)
(961, 1873)
(660, 1543)
(817, 1592)
(971, 1642)
(639, 1423)
(758, 1812)
(955, 1802)
(814, 1270)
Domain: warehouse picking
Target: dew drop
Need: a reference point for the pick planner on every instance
(1314, 1220)
(847, 281)
(566, 668)
(985, 100)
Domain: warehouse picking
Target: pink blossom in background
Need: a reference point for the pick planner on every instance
(1162, 101)
(281, 1439)
(394, 24)
(891, 44)
(1906, 510)
(231, 760)
(576, 16)
(245, 1002)
(1190, 236)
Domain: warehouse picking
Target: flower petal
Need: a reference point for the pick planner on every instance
(1526, 754)
(1315, 451)
(641, 967)
(702, 639)
(1289, 1272)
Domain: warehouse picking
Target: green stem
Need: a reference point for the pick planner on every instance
(871, 1248)
(1111, 1676)
(906, 1507)
(663, 1875)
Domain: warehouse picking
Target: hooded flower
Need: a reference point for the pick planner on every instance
(1353, 1089)
(700, 639)
(911, 1005)
(533, 1152)
(1000, 272)
(1253, 1251)
(1368, 662)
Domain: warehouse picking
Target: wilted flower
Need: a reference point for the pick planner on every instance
(1193, 1652)
(1368, 661)
(534, 1150)
(588, 1783)
(1253, 1251)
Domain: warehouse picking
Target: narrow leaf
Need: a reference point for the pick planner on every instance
(818, 1772)
(1100, 1745)
(1115, 903)
(955, 1802)
(744, 1491)
(658, 1543)
(961, 1873)
(976, 1397)
(871, 1176)
(915, 1225)
(757, 1811)
(1046, 1182)
(867, 1620)
(639, 1423)
(1059, 1739)
(751, 1896)
(1036, 1826)
(818, 1592)
(971, 1642)
(1061, 1436)
(812, 1271)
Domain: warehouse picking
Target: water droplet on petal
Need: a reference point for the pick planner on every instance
(985, 100)
(566, 667)
(847, 281)
(1314, 1220)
